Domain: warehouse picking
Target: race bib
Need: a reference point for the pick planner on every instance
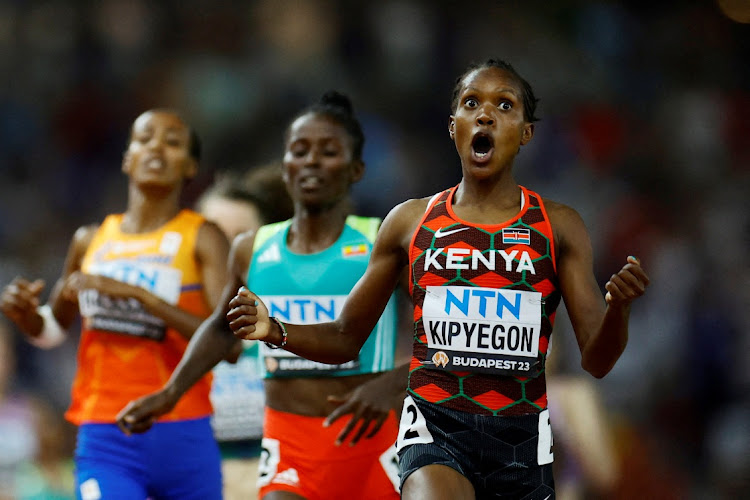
(128, 316)
(302, 310)
(485, 330)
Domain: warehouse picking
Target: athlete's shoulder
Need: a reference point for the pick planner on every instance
(210, 231)
(244, 239)
(401, 222)
(275, 227)
(188, 220)
(267, 231)
(84, 235)
(560, 213)
(567, 224)
(365, 226)
(410, 209)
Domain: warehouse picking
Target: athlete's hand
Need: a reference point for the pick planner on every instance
(19, 301)
(627, 285)
(369, 404)
(78, 281)
(139, 415)
(248, 316)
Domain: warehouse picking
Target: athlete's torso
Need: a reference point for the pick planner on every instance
(124, 351)
(484, 299)
(312, 288)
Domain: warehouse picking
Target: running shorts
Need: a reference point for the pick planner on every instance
(172, 460)
(300, 455)
(503, 457)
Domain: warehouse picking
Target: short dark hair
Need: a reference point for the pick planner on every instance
(195, 148)
(529, 99)
(339, 108)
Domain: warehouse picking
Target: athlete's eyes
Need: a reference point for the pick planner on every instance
(143, 137)
(331, 148)
(471, 102)
(298, 150)
(505, 105)
(174, 140)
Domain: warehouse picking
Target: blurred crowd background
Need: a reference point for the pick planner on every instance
(644, 130)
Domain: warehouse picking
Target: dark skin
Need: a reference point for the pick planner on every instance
(318, 170)
(490, 103)
(157, 163)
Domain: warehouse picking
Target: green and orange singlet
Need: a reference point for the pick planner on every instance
(484, 304)
(124, 351)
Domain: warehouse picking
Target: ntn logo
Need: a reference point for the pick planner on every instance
(305, 309)
(501, 298)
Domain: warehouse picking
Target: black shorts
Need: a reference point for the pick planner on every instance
(503, 457)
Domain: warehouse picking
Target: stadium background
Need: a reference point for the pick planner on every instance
(644, 129)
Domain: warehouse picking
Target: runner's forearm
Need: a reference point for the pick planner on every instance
(212, 342)
(602, 350)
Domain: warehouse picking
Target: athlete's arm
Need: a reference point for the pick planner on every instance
(213, 341)
(339, 341)
(20, 299)
(371, 402)
(601, 327)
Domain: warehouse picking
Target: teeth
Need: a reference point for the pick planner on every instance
(310, 182)
(155, 163)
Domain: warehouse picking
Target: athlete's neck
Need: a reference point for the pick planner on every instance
(484, 196)
(147, 213)
(313, 232)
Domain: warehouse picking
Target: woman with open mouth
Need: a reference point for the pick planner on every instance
(489, 262)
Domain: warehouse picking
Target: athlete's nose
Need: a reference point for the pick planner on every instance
(312, 157)
(155, 142)
(485, 114)
(484, 118)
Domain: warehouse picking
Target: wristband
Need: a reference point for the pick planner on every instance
(283, 334)
(52, 334)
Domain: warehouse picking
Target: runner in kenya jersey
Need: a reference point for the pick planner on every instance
(474, 423)
(484, 304)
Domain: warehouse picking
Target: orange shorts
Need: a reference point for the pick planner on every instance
(300, 455)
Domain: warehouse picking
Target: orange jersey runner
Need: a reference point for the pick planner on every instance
(124, 351)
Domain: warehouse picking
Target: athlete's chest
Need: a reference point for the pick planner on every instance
(153, 262)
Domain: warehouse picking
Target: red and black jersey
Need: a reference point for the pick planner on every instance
(484, 304)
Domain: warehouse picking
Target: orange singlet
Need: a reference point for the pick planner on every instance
(124, 351)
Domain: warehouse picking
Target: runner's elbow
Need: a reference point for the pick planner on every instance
(596, 369)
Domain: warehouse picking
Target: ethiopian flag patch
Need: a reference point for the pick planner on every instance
(354, 250)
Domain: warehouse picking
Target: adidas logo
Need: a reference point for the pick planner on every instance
(288, 476)
(270, 254)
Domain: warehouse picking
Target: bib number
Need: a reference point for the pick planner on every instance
(413, 427)
(480, 329)
(544, 453)
(268, 464)
(389, 462)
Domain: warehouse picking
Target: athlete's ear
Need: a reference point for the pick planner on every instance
(191, 170)
(358, 170)
(284, 174)
(126, 161)
(527, 134)
(452, 127)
